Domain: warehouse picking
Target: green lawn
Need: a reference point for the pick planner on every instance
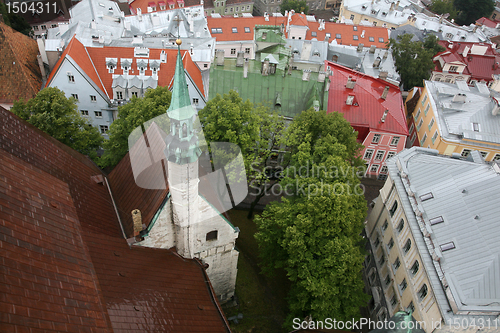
(261, 299)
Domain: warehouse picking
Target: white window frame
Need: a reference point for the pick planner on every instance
(98, 114)
(379, 156)
(368, 152)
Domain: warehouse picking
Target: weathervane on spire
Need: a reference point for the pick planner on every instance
(178, 20)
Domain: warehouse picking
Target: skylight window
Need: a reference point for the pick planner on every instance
(247, 29)
(436, 220)
(447, 246)
(475, 126)
(234, 30)
(426, 196)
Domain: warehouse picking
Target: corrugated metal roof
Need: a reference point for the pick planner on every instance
(461, 191)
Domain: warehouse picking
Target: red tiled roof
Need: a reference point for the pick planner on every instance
(92, 60)
(66, 266)
(19, 70)
(487, 22)
(299, 19)
(347, 34)
(346, 31)
(370, 106)
(479, 67)
(143, 4)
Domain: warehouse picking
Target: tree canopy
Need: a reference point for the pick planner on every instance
(15, 21)
(58, 116)
(296, 5)
(413, 59)
(130, 116)
(255, 129)
(444, 7)
(471, 10)
(314, 234)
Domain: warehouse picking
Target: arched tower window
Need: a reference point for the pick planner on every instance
(184, 130)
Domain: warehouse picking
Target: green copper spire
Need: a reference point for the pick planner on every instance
(182, 144)
(180, 104)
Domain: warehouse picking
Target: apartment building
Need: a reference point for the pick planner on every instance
(433, 245)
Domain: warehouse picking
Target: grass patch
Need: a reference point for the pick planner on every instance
(261, 299)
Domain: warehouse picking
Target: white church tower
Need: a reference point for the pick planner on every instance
(188, 221)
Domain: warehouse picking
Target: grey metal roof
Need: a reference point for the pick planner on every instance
(150, 83)
(135, 82)
(455, 119)
(380, 10)
(307, 50)
(363, 61)
(461, 191)
(119, 81)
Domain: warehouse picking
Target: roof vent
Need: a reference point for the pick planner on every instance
(383, 75)
(459, 98)
(376, 63)
(372, 49)
(350, 99)
(351, 83)
(386, 91)
(384, 115)
(360, 47)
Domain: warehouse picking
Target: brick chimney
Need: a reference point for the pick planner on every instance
(137, 218)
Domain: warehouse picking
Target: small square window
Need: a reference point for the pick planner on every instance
(43, 27)
(475, 127)
(381, 39)
(233, 51)
(314, 34)
(355, 37)
(380, 155)
(84, 112)
(384, 169)
(368, 154)
(374, 168)
(395, 141)
(93, 98)
(234, 30)
(247, 29)
(247, 50)
(338, 36)
(104, 129)
(465, 152)
(75, 96)
(371, 39)
(205, 65)
(352, 18)
(390, 154)
(71, 79)
(212, 235)
(134, 93)
(196, 101)
(119, 95)
(98, 114)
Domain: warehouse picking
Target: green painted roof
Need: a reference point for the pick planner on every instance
(180, 104)
(295, 95)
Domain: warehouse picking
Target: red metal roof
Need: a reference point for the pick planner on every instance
(240, 23)
(347, 34)
(66, 266)
(92, 60)
(487, 22)
(299, 19)
(370, 106)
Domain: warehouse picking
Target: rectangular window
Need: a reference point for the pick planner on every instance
(248, 6)
(390, 245)
(134, 93)
(71, 79)
(376, 138)
(453, 69)
(411, 307)
(434, 137)
(420, 124)
(424, 100)
(368, 154)
(374, 168)
(75, 96)
(427, 109)
(98, 114)
(396, 264)
(395, 141)
(426, 196)
(447, 246)
(314, 34)
(423, 140)
(104, 129)
(394, 208)
(431, 123)
(403, 285)
(380, 155)
(475, 127)
(35, 27)
(412, 127)
(247, 50)
(384, 169)
(119, 95)
(483, 154)
(385, 226)
(417, 115)
(381, 39)
(84, 112)
(233, 51)
(387, 280)
(497, 157)
(394, 301)
(237, 9)
(371, 39)
(234, 30)
(196, 101)
(43, 27)
(436, 220)
(247, 29)
(352, 18)
(465, 152)
(355, 37)
(390, 154)
(93, 98)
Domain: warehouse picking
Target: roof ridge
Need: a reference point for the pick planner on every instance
(97, 73)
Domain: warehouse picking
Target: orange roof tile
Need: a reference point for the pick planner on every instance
(347, 33)
(92, 60)
(21, 76)
(299, 19)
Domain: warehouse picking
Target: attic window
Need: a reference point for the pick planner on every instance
(447, 246)
(449, 36)
(426, 196)
(247, 29)
(234, 30)
(314, 34)
(436, 220)
(212, 235)
(475, 127)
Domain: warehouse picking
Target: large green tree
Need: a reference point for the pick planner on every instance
(314, 235)
(59, 117)
(130, 116)
(444, 7)
(299, 6)
(413, 59)
(471, 10)
(254, 129)
(15, 21)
